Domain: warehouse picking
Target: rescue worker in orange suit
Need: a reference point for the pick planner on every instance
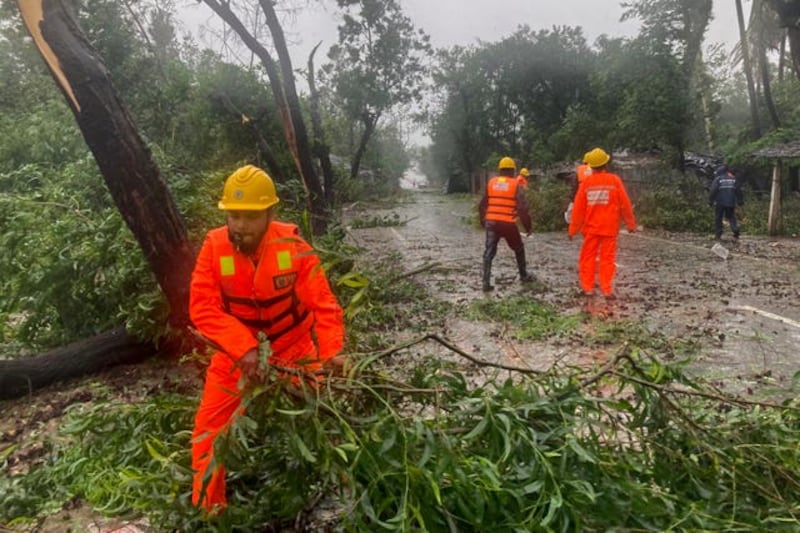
(600, 205)
(253, 275)
(502, 202)
(581, 173)
(522, 179)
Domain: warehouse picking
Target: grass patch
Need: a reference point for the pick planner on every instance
(531, 318)
(636, 334)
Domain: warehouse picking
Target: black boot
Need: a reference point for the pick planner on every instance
(524, 277)
(487, 276)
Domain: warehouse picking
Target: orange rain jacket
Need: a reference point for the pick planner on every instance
(583, 172)
(522, 181)
(600, 203)
(286, 295)
(283, 293)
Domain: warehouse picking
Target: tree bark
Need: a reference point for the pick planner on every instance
(766, 85)
(321, 148)
(794, 46)
(748, 71)
(135, 184)
(22, 376)
(370, 121)
(319, 211)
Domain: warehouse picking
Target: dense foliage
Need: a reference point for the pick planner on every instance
(635, 444)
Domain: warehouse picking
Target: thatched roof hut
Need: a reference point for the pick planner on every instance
(778, 154)
(788, 150)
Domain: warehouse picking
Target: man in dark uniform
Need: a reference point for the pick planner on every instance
(726, 193)
(502, 202)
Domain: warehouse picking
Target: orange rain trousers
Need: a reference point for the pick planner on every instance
(597, 259)
(219, 405)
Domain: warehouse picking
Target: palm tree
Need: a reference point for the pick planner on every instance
(748, 71)
(788, 12)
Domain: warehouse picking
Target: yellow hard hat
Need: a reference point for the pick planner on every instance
(505, 163)
(248, 189)
(524, 172)
(596, 158)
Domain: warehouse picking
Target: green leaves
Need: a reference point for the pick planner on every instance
(525, 454)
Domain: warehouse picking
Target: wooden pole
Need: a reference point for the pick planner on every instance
(774, 224)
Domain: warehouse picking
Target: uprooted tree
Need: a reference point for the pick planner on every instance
(135, 184)
(138, 190)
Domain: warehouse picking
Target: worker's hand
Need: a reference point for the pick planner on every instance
(249, 366)
(338, 365)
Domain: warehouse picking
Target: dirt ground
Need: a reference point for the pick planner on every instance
(742, 310)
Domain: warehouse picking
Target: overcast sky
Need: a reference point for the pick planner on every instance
(464, 22)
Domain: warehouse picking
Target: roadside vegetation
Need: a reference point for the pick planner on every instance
(408, 440)
(411, 443)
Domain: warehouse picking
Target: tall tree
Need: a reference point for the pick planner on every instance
(135, 184)
(377, 64)
(681, 24)
(125, 161)
(764, 35)
(321, 148)
(281, 78)
(789, 15)
(755, 122)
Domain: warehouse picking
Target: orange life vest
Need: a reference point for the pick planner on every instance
(261, 296)
(285, 294)
(502, 199)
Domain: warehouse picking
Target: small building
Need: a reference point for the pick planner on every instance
(780, 155)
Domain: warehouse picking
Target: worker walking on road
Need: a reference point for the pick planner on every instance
(503, 201)
(726, 193)
(522, 179)
(600, 205)
(254, 275)
(581, 173)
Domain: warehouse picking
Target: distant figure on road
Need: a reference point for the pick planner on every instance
(503, 201)
(581, 173)
(522, 179)
(726, 193)
(600, 205)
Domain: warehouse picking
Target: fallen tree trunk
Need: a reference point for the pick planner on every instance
(22, 376)
(124, 159)
(136, 185)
